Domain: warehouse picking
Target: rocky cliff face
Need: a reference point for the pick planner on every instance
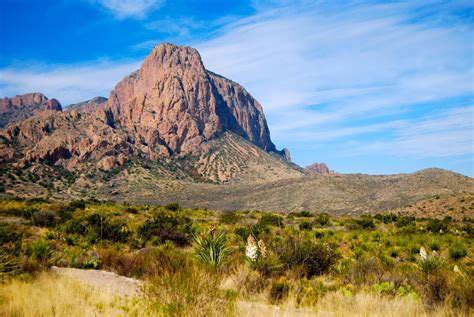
(171, 107)
(19, 108)
(172, 104)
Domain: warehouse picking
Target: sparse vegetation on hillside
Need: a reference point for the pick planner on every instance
(200, 262)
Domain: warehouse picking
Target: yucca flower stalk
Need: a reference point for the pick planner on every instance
(211, 248)
(251, 249)
(423, 254)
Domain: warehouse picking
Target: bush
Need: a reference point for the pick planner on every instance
(457, 251)
(41, 250)
(366, 222)
(386, 218)
(44, 218)
(229, 217)
(322, 219)
(167, 227)
(8, 233)
(404, 221)
(271, 220)
(103, 227)
(256, 230)
(303, 213)
(66, 211)
(437, 226)
(312, 258)
(74, 226)
(306, 225)
(173, 206)
(279, 291)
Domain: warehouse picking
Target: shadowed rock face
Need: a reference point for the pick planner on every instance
(169, 107)
(19, 108)
(172, 104)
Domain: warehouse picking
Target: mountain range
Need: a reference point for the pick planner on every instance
(175, 131)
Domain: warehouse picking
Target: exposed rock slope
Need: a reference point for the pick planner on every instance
(19, 108)
(168, 109)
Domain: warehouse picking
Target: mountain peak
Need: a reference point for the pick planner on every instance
(173, 104)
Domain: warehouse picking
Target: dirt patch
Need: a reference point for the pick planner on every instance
(107, 281)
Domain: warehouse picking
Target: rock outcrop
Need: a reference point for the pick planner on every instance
(22, 107)
(318, 168)
(171, 107)
(89, 106)
(172, 104)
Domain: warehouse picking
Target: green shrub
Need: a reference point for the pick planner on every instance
(229, 217)
(366, 222)
(404, 221)
(386, 218)
(430, 265)
(66, 212)
(279, 291)
(306, 225)
(322, 219)
(167, 227)
(9, 233)
(457, 251)
(103, 227)
(74, 226)
(44, 218)
(436, 225)
(303, 213)
(271, 220)
(173, 206)
(313, 258)
(256, 230)
(41, 250)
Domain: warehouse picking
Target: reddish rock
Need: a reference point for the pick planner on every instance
(318, 168)
(170, 107)
(19, 108)
(173, 103)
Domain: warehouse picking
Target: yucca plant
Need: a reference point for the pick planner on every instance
(429, 263)
(211, 248)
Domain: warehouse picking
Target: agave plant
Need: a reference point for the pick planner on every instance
(211, 248)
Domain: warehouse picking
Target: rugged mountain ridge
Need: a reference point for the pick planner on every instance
(22, 107)
(171, 107)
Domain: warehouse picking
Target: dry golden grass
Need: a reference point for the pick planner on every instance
(335, 304)
(52, 295)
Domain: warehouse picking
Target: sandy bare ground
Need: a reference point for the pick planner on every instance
(106, 281)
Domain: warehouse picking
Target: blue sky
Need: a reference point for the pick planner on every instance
(365, 86)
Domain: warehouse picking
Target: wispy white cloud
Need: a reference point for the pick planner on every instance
(129, 8)
(67, 83)
(319, 68)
